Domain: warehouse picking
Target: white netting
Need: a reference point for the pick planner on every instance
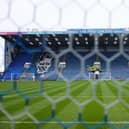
(32, 15)
(75, 71)
(40, 15)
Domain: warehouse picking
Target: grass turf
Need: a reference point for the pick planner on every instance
(31, 101)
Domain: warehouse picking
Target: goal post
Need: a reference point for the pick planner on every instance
(23, 76)
(102, 76)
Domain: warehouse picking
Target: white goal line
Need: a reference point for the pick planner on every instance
(74, 122)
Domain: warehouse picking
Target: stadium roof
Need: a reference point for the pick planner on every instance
(81, 38)
(72, 31)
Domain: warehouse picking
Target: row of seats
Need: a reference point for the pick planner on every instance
(17, 67)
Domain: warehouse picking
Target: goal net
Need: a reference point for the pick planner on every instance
(102, 76)
(23, 76)
(66, 99)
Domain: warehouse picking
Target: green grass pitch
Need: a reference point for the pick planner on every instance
(59, 104)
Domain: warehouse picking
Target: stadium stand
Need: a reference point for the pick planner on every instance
(73, 68)
(17, 66)
(106, 44)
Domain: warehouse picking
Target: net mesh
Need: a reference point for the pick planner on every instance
(65, 14)
(92, 108)
(105, 104)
